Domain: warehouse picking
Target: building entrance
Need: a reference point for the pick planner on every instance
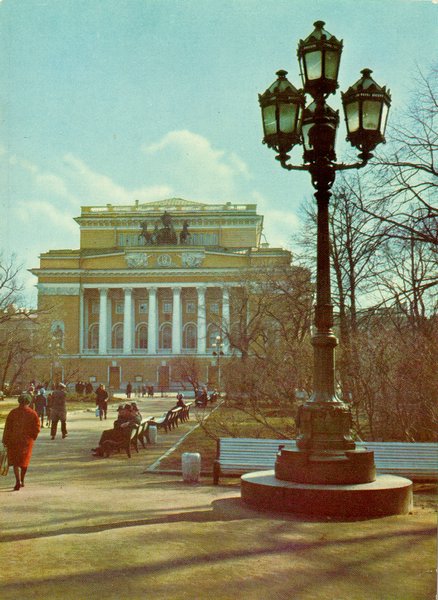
(114, 378)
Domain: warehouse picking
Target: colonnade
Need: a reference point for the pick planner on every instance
(200, 318)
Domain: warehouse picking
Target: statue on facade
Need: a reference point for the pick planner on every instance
(166, 235)
(185, 234)
(147, 237)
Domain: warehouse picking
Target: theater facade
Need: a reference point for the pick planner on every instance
(150, 286)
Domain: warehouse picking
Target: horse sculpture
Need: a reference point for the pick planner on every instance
(145, 234)
(184, 235)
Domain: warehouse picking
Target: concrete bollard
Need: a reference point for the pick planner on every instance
(153, 434)
(191, 466)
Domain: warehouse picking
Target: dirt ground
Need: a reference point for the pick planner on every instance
(85, 528)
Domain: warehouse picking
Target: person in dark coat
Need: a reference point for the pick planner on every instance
(127, 419)
(58, 411)
(128, 390)
(102, 401)
(21, 430)
(40, 405)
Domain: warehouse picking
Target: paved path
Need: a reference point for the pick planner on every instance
(85, 528)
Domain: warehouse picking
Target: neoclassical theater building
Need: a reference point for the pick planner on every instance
(150, 284)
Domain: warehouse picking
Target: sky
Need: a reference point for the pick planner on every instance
(106, 101)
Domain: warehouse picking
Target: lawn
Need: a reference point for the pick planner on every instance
(88, 403)
(226, 422)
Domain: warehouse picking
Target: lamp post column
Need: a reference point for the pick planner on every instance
(324, 420)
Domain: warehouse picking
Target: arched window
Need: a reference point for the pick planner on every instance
(93, 336)
(141, 336)
(212, 333)
(190, 336)
(166, 336)
(117, 337)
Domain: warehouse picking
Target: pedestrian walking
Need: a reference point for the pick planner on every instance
(21, 430)
(59, 411)
(40, 405)
(102, 401)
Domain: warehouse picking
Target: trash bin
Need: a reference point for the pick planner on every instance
(152, 432)
(191, 466)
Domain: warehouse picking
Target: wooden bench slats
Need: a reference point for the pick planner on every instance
(418, 461)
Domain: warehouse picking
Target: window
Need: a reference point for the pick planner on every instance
(167, 308)
(143, 307)
(190, 308)
(119, 308)
(214, 308)
(93, 336)
(166, 336)
(190, 336)
(117, 341)
(95, 308)
(142, 336)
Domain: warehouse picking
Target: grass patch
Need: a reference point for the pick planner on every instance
(227, 422)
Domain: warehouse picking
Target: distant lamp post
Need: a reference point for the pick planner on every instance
(218, 352)
(326, 454)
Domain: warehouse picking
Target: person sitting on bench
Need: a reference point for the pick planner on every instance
(125, 421)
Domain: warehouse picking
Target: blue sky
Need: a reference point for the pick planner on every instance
(108, 101)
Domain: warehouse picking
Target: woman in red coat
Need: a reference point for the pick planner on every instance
(21, 430)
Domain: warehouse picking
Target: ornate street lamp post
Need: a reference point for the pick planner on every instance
(218, 352)
(326, 454)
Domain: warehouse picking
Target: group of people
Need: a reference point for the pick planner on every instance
(82, 388)
(128, 415)
(23, 425)
(202, 398)
(140, 391)
(49, 406)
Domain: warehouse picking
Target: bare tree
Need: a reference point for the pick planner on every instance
(186, 369)
(403, 189)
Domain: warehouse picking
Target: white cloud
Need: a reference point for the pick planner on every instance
(45, 218)
(279, 226)
(99, 188)
(196, 168)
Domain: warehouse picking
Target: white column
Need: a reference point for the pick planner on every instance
(103, 321)
(176, 321)
(152, 321)
(81, 321)
(127, 322)
(202, 321)
(225, 319)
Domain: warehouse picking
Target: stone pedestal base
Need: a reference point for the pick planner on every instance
(338, 468)
(387, 495)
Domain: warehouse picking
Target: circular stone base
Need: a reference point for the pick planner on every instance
(387, 495)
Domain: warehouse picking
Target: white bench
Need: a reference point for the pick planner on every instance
(236, 456)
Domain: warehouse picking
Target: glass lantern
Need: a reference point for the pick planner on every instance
(319, 56)
(366, 106)
(282, 107)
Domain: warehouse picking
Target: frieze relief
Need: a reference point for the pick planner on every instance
(53, 290)
(137, 260)
(190, 260)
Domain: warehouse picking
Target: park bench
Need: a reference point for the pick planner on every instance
(236, 456)
(169, 420)
(143, 432)
(184, 415)
(128, 440)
